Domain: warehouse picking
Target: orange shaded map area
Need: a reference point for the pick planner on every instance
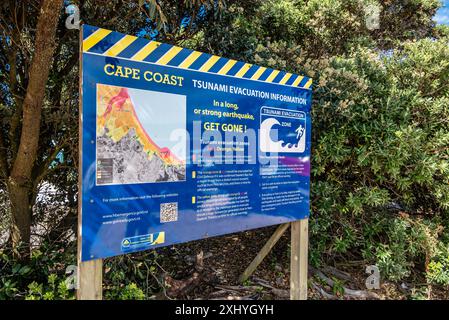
(115, 112)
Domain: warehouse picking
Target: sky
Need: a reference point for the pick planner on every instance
(442, 16)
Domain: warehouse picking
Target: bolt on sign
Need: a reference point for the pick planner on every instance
(179, 145)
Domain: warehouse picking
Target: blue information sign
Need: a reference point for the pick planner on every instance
(179, 145)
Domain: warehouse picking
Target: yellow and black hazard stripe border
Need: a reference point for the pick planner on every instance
(115, 44)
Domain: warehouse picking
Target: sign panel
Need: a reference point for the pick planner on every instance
(179, 145)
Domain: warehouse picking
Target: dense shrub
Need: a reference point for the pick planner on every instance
(381, 156)
(42, 277)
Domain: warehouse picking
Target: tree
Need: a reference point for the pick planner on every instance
(317, 28)
(39, 94)
(19, 177)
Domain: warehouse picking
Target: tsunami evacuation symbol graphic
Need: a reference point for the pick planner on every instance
(282, 130)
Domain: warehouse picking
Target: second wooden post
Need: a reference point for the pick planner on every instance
(298, 259)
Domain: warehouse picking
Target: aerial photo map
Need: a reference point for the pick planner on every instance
(140, 136)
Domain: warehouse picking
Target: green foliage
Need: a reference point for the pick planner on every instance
(54, 289)
(282, 20)
(441, 31)
(41, 277)
(381, 144)
(127, 292)
(382, 129)
(132, 277)
(407, 241)
(420, 293)
(318, 28)
(438, 268)
(338, 288)
(44, 276)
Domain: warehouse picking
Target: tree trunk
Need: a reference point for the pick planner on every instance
(21, 217)
(20, 180)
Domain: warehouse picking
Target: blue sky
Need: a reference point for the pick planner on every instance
(442, 16)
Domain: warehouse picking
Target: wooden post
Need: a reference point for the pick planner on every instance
(264, 251)
(90, 280)
(298, 260)
(90, 273)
